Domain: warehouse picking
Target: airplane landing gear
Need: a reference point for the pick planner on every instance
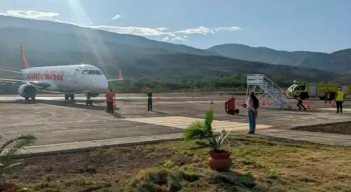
(66, 96)
(29, 99)
(69, 96)
(72, 97)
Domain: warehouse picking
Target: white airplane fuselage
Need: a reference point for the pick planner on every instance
(82, 78)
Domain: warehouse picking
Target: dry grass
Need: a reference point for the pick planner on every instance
(260, 164)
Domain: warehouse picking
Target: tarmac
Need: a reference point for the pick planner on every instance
(62, 126)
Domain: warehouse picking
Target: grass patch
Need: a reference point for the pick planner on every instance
(259, 164)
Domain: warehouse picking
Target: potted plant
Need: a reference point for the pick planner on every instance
(219, 159)
(7, 152)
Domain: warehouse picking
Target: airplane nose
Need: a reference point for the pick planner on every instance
(103, 84)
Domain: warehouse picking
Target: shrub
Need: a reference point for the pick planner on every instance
(10, 148)
(202, 131)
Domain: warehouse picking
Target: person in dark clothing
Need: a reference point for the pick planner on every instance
(299, 103)
(252, 105)
(149, 101)
(149, 97)
(327, 97)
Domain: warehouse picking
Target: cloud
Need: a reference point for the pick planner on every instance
(30, 14)
(166, 34)
(166, 38)
(231, 28)
(161, 33)
(116, 17)
(206, 30)
(198, 30)
(142, 31)
(179, 39)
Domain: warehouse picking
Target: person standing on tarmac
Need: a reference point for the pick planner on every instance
(110, 96)
(299, 103)
(327, 97)
(149, 97)
(252, 105)
(340, 98)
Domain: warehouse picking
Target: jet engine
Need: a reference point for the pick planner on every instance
(27, 91)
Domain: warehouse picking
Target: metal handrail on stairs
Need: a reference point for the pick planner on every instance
(269, 87)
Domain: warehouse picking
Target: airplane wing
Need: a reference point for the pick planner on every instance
(111, 80)
(12, 80)
(38, 84)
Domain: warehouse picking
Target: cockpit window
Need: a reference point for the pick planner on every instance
(91, 72)
(301, 87)
(292, 88)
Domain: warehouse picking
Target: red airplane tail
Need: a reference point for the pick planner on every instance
(24, 58)
(120, 75)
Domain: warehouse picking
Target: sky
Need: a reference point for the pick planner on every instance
(292, 25)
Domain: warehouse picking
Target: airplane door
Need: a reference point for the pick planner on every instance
(69, 76)
(84, 74)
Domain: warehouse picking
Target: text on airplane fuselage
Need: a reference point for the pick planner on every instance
(48, 75)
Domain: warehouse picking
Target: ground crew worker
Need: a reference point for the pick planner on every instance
(110, 96)
(149, 97)
(327, 97)
(340, 98)
(299, 103)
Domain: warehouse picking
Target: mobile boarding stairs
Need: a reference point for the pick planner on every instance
(264, 87)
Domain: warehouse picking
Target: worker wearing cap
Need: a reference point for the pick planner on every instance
(340, 98)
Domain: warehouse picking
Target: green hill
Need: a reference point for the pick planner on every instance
(339, 61)
(49, 43)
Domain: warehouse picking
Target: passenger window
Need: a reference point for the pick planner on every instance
(85, 72)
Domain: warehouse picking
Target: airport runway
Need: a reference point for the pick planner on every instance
(53, 120)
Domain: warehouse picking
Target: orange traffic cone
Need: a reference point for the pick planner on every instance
(158, 98)
(264, 102)
(332, 104)
(308, 105)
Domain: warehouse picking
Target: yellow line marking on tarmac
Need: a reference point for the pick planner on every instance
(183, 122)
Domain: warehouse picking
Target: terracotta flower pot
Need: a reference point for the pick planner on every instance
(8, 187)
(220, 161)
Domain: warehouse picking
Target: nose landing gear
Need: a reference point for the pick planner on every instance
(89, 101)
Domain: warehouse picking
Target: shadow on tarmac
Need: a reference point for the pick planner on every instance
(79, 104)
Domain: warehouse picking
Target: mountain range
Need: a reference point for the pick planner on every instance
(53, 43)
(339, 61)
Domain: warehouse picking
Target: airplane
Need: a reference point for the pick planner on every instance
(68, 79)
